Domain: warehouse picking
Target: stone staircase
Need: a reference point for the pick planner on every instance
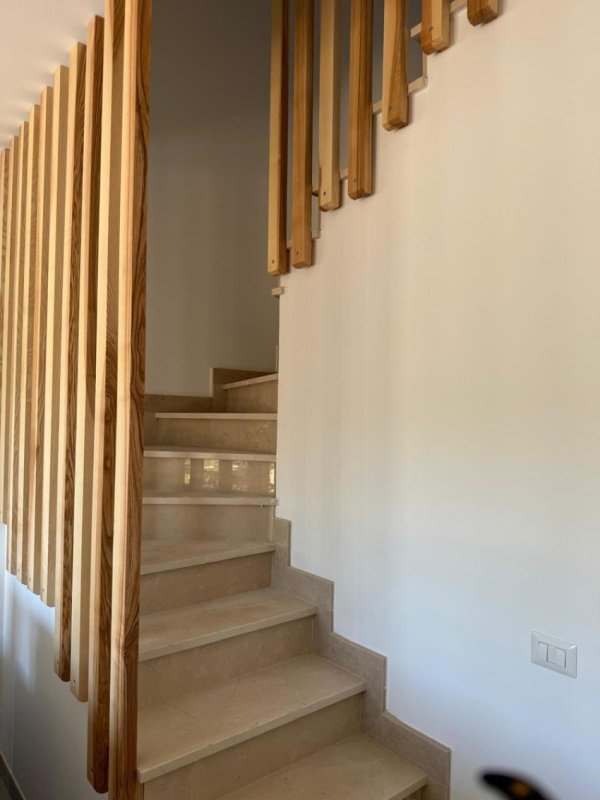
(234, 701)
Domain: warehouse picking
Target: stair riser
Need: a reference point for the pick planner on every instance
(240, 523)
(229, 770)
(181, 474)
(253, 435)
(261, 397)
(164, 678)
(183, 587)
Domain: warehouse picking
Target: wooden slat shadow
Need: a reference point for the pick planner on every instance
(34, 470)
(86, 361)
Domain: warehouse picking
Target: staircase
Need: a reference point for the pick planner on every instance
(233, 700)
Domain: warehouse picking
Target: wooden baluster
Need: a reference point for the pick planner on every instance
(53, 331)
(435, 34)
(395, 108)
(7, 326)
(4, 161)
(21, 494)
(69, 316)
(360, 134)
(329, 106)
(38, 357)
(86, 361)
(482, 11)
(278, 147)
(130, 408)
(302, 247)
(10, 485)
(103, 471)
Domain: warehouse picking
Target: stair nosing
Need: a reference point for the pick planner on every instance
(218, 416)
(208, 453)
(274, 376)
(218, 499)
(241, 550)
(200, 752)
(307, 610)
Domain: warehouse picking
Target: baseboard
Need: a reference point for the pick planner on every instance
(431, 756)
(8, 779)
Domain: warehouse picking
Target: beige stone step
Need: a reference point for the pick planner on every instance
(213, 521)
(204, 644)
(200, 624)
(354, 769)
(256, 394)
(214, 453)
(254, 432)
(206, 497)
(200, 724)
(190, 470)
(183, 573)
(163, 556)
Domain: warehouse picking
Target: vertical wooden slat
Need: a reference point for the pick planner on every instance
(10, 484)
(395, 107)
(302, 159)
(38, 360)
(360, 134)
(69, 314)
(435, 33)
(278, 147)
(329, 106)
(21, 495)
(8, 313)
(86, 361)
(482, 11)
(53, 331)
(103, 483)
(130, 408)
(4, 156)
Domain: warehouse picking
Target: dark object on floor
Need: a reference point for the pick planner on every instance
(513, 788)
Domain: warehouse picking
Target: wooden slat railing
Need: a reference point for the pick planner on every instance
(434, 34)
(72, 347)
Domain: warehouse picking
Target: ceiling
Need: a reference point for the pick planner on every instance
(35, 38)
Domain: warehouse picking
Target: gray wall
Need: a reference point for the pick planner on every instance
(209, 297)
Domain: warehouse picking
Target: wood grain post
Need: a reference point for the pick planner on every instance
(10, 485)
(130, 408)
(7, 325)
(360, 133)
(4, 162)
(302, 152)
(482, 11)
(53, 331)
(435, 33)
(86, 361)
(278, 141)
(38, 357)
(103, 469)
(21, 494)
(69, 315)
(329, 106)
(395, 108)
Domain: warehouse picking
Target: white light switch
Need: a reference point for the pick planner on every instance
(555, 654)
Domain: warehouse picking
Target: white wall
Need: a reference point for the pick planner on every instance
(443, 469)
(209, 296)
(43, 728)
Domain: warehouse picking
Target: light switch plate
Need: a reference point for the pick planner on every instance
(555, 654)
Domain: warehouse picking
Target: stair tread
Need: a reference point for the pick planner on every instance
(356, 768)
(210, 497)
(252, 381)
(191, 451)
(162, 556)
(165, 632)
(196, 725)
(226, 416)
